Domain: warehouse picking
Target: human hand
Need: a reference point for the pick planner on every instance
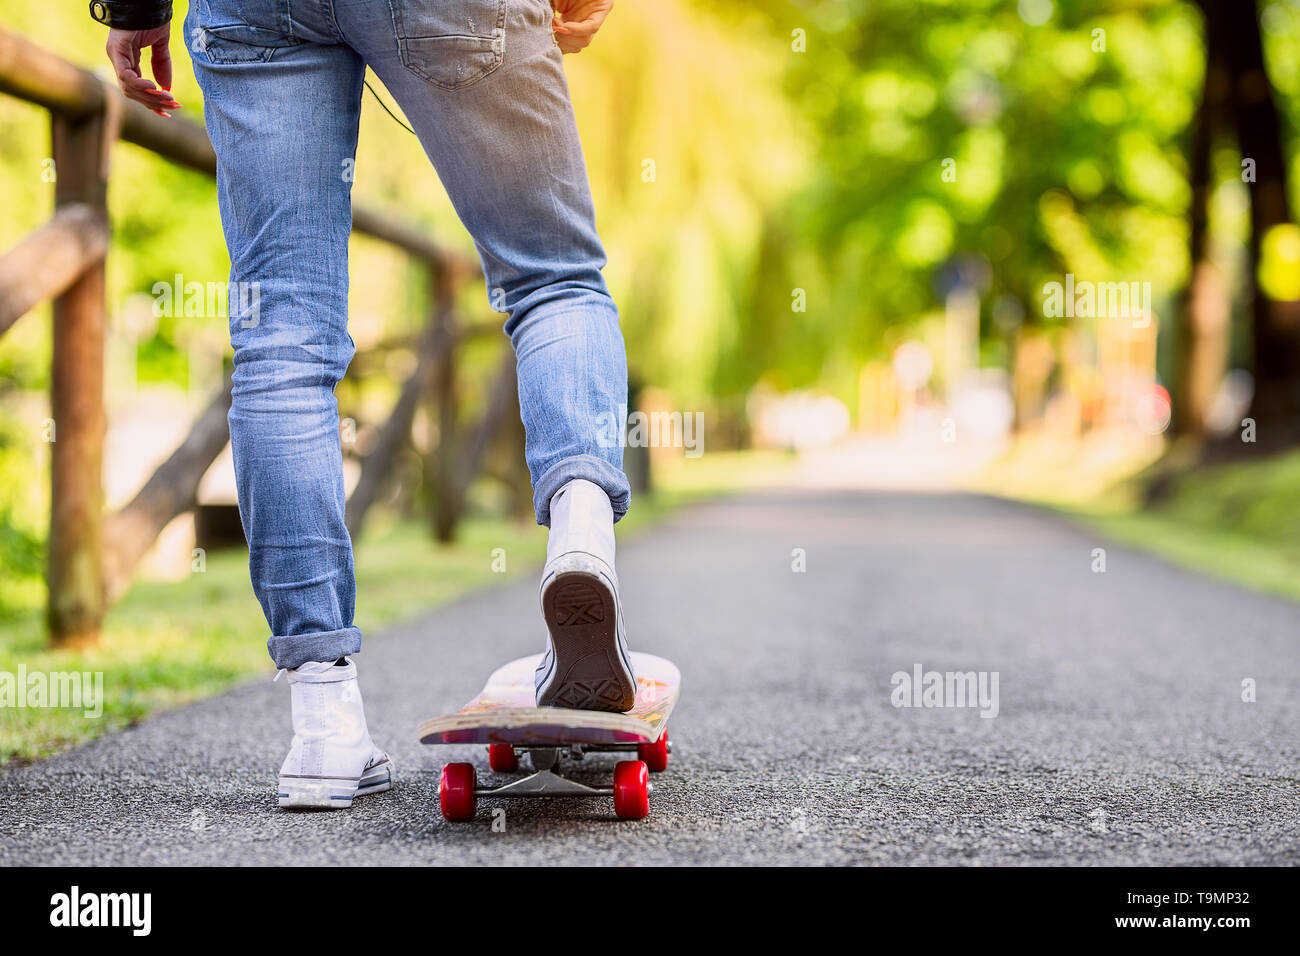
(124, 48)
(578, 22)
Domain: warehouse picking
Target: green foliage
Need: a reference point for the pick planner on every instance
(22, 535)
(955, 132)
(21, 545)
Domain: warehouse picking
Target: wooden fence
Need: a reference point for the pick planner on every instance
(92, 556)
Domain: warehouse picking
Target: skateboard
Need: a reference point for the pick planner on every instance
(504, 717)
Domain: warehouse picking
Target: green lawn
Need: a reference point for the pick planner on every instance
(1239, 522)
(170, 642)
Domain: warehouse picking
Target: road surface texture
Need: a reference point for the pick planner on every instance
(1121, 734)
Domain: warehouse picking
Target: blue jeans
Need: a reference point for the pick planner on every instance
(482, 84)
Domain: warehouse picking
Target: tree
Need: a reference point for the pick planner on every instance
(1275, 324)
(1204, 313)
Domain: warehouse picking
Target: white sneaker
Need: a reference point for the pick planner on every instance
(586, 665)
(332, 758)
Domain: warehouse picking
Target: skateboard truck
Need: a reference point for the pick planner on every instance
(578, 751)
(458, 789)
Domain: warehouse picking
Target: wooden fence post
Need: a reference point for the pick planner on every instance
(76, 576)
(446, 503)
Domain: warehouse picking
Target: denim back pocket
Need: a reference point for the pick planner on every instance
(237, 43)
(451, 43)
(220, 32)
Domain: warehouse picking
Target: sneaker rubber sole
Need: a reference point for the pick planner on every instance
(590, 673)
(333, 793)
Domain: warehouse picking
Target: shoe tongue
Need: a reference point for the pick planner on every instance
(315, 672)
(315, 667)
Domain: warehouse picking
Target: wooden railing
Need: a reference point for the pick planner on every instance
(92, 557)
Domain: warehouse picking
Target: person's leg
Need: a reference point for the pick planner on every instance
(484, 88)
(281, 103)
(482, 84)
(282, 115)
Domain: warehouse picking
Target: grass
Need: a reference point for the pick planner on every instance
(1238, 522)
(167, 643)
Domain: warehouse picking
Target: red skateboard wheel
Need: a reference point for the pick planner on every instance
(631, 790)
(456, 791)
(655, 754)
(502, 758)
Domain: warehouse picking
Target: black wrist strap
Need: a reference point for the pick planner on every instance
(131, 14)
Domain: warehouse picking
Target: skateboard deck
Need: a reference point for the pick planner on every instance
(505, 717)
(504, 711)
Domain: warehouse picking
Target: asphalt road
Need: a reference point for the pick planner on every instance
(1121, 735)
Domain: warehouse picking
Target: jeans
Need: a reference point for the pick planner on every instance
(483, 87)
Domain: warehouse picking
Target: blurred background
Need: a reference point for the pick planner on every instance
(1040, 249)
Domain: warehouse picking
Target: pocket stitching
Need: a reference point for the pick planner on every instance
(496, 45)
(266, 52)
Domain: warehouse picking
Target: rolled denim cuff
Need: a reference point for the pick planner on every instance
(131, 14)
(293, 650)
(593, 469)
